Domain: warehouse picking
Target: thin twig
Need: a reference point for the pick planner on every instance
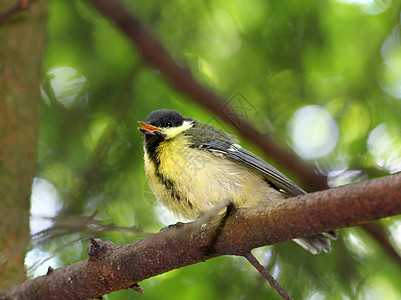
(64, 225)
(263, 271)
(56, 251)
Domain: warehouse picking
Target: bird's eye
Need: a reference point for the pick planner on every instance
(169, 124)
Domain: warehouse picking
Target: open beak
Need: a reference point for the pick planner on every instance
(147, 129)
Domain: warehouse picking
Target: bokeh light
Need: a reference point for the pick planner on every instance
(66, 85)
(45, 204)
(384, 144)
(313, 131)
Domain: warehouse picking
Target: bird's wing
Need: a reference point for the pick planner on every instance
(236, 153)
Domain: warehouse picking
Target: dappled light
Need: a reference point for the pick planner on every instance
(390, 76)
(384, 144)
(395, 230)
(220, 35)
(45, 203)
(313, 131)
(164, 216)
(371, 7)
(67, 86)
(38, 262)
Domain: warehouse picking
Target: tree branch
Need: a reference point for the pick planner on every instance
(111, 268)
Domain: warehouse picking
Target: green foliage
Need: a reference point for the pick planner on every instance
(271, 59)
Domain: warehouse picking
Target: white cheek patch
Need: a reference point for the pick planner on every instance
(172, 132)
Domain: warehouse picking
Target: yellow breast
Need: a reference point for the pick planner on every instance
(190, 181)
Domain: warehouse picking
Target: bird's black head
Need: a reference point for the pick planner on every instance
(162, 125)
(163, 118)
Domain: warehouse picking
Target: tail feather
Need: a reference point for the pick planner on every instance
(316, 243)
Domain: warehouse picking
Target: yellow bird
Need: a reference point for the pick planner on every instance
(192, 166)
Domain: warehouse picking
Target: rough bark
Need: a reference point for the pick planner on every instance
(22, 40)
(110, 267)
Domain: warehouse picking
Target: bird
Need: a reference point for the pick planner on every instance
(192, 166)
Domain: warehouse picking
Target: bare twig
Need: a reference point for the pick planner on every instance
(64, 225)
(76, 224)
(272, 281)
(56, 251)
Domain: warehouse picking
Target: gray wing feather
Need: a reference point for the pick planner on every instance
(239, 155)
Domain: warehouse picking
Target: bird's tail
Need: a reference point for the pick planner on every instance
(316, 243)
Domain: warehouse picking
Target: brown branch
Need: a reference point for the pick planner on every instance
(110, 267)
(18, 7)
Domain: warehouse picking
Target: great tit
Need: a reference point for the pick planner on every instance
(191, 166)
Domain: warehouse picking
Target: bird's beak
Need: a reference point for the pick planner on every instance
(147, 129)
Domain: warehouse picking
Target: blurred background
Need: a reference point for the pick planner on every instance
(321, 78)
